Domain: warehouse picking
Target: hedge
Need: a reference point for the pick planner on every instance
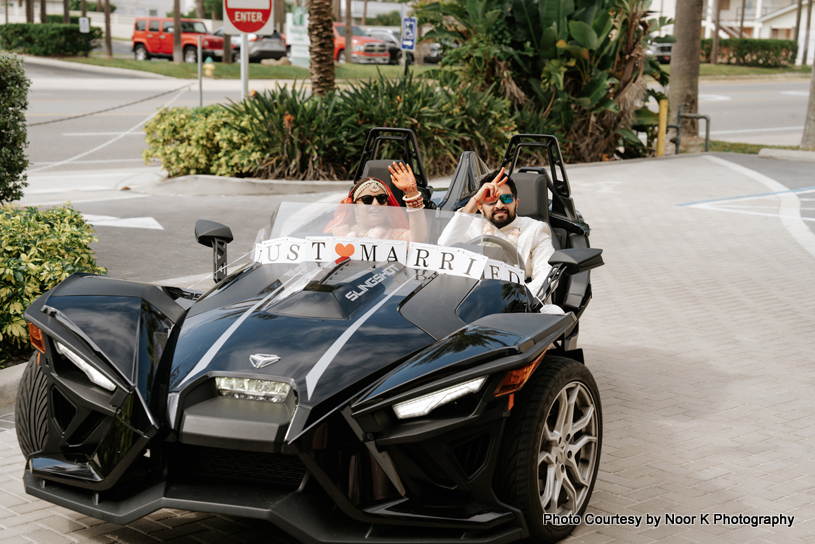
(291, 134)
(753, 52)
(13, 103)
(50, 40)
(54, 19)
(40, 249)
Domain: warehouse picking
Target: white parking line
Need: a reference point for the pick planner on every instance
(748, 130)
(790, 205)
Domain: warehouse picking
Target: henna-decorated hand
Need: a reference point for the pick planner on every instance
(403, 179)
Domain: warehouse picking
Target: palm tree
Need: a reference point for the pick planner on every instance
(685, 63)
(178, 54)
(808, 141)
(321, 49)
(108, 42)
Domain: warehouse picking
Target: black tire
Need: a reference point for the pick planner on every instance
(140, 53)
(31, 409)
(537, 406)
(190, 54)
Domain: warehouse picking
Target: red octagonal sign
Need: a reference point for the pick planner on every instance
(248, 15)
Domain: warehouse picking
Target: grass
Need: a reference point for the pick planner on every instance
(724, 70)
(233, 71)
(753, 149)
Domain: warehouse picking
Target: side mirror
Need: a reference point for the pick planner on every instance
(577, 260)
(216, 236)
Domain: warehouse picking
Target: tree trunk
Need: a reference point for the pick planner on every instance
(108, 42)
(714, 51)
(797, 32)
(808, 141)
(199, 9)
(418, 56)
(84, 8)
(227, 58)
(337, 8)
(66, 17)
(321, 48)
(279, 8)
(741, 24)
(364, 12)
(684, 87)
(29, 11)
(349, 33)
(43, 13)
(806, 34)
(178, 53)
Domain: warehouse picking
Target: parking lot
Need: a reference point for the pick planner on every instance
(699, 334)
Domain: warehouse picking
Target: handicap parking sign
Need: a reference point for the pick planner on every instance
(409, 34)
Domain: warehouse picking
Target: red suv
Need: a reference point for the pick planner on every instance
(153, 37)
(366, 50)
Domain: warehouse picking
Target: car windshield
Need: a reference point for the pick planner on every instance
(355, 29)
(438, 241)
(196, 27)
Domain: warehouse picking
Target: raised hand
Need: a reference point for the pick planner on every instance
(489, 192)
(403, 179)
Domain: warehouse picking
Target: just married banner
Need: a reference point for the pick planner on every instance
(441, 259)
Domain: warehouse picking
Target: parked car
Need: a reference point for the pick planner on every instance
(394, 44)
(153, 37)
(364, 389)
(260, 47)
(367, 50)
(662, 52)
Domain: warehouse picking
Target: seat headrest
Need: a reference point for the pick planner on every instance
(533, 195)
(379, 169)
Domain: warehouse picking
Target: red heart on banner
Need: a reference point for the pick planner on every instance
(344, 250)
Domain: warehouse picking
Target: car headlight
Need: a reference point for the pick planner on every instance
(93, 375)
(249, 389)
(358, 48)
(425, 404)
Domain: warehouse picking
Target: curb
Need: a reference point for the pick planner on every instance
(9, 383)
(202, 185)
(92, 68)
(787, 155)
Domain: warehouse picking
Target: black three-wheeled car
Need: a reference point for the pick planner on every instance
(343, 395)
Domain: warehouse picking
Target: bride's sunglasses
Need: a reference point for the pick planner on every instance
(369, 199)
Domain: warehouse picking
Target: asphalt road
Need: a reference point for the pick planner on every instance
(766, 111)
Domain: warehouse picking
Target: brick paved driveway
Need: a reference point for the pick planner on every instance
(700, 336)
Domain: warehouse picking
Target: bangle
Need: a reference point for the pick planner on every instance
(415, 203)
(413, 208)
(417, 196)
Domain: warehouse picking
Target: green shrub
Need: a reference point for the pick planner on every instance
(392, 18)
(51, 40)
(40, 249)
(191, 141)
(54, 19)
(76, 5)
(753, 52)
(13, 103)
(287, 134)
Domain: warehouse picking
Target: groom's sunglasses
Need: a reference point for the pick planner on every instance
(369, 199)
(506, 199)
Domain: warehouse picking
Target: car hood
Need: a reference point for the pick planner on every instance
(333, 328)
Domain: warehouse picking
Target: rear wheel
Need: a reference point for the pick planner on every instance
(190, 54)
(140, 52)
(341, 56)
(31, 409)
(551, 451)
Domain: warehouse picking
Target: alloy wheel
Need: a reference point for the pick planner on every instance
(568, 451)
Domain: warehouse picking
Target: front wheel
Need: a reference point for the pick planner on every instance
(551, 452)
(31, 409)
(341, 56)
(140, 52)
(190, 54)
